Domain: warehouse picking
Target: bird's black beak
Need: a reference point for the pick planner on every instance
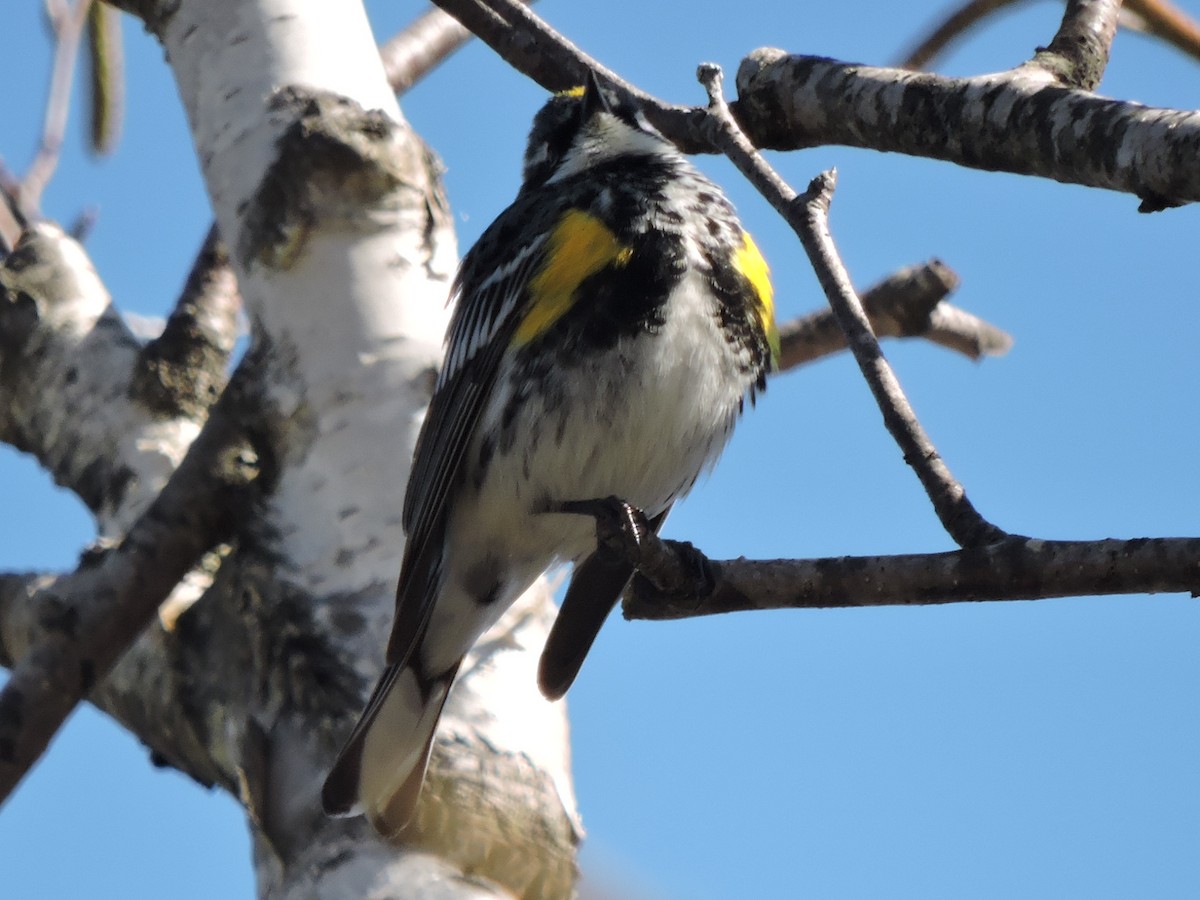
(594, 100)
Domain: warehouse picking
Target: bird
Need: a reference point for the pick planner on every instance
(607, 329)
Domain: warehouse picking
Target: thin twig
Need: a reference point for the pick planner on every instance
(1158, 18)
(1167, 22)
(421, 46)
(950, 29)
(808, 216)
(58, 105)
(532, 47)
(56, 13)
(965, 333)
(12, 223)
(949, 498)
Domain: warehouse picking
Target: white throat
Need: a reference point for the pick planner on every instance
(607, 137)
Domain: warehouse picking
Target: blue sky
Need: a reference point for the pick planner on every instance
(989, 750)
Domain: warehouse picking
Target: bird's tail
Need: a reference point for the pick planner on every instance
(380, 770)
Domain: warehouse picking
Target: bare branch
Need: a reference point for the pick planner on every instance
(414, 52)
(99, 610)
(954, 26)
(676, 581)
(1017, 568)
(56, 12)
(908, 303)
(527, 43)
(532, 47)
(15, 590)
(1010, 122)
(142, 692)
(417, 50)
(66, 364)
(11, 220)
(1165, 21)
(182, 371)
(1159, 18)
(957, 514)
(1078, 54)
(69, 31)
(958, 330)
(808, 216)
(1017, 122)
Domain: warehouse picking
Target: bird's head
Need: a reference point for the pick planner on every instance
(583, 126)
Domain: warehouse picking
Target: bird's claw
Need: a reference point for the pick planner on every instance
(621, 527)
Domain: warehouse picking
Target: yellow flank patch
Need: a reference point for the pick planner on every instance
(578, 91)
(580, 246)
(749, 261)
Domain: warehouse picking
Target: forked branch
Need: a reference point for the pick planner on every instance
(808, 217)
(102, 607)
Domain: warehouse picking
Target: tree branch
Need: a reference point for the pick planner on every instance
(908, 303)
(1012, 122)
(1017, 568)
(68, 33)
(98, 611)
(12, 222)
(1019, 122)
(1159, 18)
(808, 216)
(183, 370)
(532, 47)
(1078, 54)
(1167, 22)
(15, 591)
(421, 47)
(954, 26)
(411, 54)
(66, 364)
(152, 691)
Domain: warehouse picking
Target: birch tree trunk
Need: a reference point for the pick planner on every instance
(343, 249)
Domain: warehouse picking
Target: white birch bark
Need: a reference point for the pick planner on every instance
(344, 251)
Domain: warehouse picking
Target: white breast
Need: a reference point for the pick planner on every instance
(640, 422)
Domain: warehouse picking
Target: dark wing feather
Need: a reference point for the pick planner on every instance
(487, 313)
(340, 791)
(596, 585)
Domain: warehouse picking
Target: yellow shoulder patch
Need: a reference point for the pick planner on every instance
(577, 91)
(750, 263)
(579, 246)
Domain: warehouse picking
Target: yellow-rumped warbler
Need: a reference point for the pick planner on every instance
(609, 325)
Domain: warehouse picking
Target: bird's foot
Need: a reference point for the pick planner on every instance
(672, 568)
(621, 528)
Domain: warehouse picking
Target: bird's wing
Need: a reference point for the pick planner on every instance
(488, 310)
(510, 291)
